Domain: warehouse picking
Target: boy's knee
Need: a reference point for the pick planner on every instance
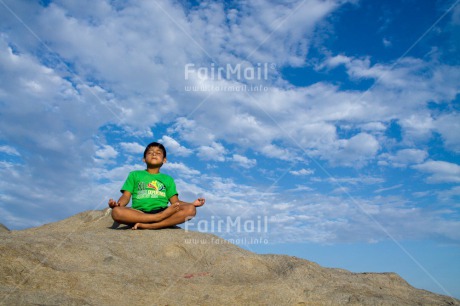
(191, 210)
(116, 213)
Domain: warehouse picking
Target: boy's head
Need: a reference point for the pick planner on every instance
(155, 145)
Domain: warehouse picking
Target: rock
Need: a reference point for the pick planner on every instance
(83, 260)
(3, 228)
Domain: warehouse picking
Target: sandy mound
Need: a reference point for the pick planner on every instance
(83, 261)
(3, 228)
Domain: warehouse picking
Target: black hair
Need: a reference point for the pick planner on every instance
(155, 144)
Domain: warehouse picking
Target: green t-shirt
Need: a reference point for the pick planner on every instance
(149, 191)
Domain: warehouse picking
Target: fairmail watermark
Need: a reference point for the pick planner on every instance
(218, 225)
(226, 88)
(237, 241)
(238, 72)
(239, 230)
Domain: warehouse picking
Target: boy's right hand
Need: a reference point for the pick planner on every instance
(113, 204)
(199, 202)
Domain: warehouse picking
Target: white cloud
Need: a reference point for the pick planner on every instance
(302, 172)
(417, 127)
(341, 190)
(409, 74)
(358, 180)
(388, 188)
(386, 42)
(243, 161)
(137, 132)
(449, 126)
(175, 147)
(132, 147)
(9, 150)
(356, 151)
(117, 174)
(260, 30)
(388, 76)
(335, 61)
(301, 188)
(440, 171)
(106, 152)
(180, 169)
(373, 127)
(215, 152)
(404, 157)
(192, 131)
(362, 144)
(275, 151)
(448, 195)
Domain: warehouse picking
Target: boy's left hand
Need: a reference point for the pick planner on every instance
(199, 202)
(113, 204)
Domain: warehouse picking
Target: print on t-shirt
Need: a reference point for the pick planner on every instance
(153, 190)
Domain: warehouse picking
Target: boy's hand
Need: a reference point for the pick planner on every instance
(199, 202)
(176, 206)
(113, 204)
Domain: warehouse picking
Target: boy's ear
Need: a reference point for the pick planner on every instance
(143, 159)
(164, 160)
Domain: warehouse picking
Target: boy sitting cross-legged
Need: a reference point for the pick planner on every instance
(151, 191)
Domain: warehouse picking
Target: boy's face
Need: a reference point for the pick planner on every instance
(154, 157)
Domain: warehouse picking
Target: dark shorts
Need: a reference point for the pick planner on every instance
(155, 211)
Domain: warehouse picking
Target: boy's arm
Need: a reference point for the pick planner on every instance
(198, 202)
(122, 201)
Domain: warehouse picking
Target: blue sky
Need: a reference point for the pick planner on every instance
(331, 124)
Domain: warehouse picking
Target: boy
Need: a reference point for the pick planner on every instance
(151, 191)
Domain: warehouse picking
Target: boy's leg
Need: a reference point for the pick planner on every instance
(186, 212)
(126, 215)
(170, 210)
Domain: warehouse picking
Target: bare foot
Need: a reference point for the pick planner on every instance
(176, 206)
(143, 226)
(160, 216)
(172, 209)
